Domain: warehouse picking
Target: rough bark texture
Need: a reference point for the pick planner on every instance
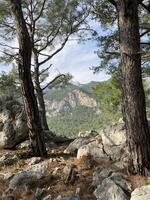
(134, 98)
(31, 107)
(39, 93)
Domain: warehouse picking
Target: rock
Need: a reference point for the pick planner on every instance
(39, 193)
(114, 135)
(106, 172)
(77, 143)
(34, 160)
(41, 168)
(68, 168)
(7, 193)
(109, 190)
(75, 197)
(9, 197)
(74, 99)
(99, 175)
(55, 170)
(93, 150)
(24, 178)
(71, 174)
(8, 176)
(13, 126)
(120, 179)
(142, 193)
(8, 159)
(91, 133)
(78, 191)
(48, 197)
(24, 145)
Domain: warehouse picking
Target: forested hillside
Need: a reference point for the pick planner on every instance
(73, 108)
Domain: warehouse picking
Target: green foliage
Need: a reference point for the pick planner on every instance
(109, 93)
(60, 81)
(147, 95)
(9, 83)
(59, 93)
(79, 119)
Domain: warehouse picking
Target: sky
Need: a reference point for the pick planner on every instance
(76, 59)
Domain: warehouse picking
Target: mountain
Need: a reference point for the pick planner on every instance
(60, 101)
(72, 108)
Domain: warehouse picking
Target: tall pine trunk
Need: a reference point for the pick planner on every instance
(138, 136)
(39, 93)
(30, 103)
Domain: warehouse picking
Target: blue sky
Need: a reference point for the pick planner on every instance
(77, 59)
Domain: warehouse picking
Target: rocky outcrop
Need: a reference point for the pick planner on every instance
(72, 100)
(109, 144)
(110, 190)
(13, 126)
(142, 193)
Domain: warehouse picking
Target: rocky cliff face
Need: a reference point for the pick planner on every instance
(72, 100)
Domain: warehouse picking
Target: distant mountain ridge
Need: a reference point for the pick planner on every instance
(62, 100)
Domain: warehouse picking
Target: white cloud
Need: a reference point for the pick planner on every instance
(77, 59)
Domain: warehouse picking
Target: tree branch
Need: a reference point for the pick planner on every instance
(48, 42)
(57, 77)
(144, 6)
(5, 45)
(144, 33)
(113, 2)
(41, 11)
(44, 70)
(145, 43)
(58, 50)
(145, 26)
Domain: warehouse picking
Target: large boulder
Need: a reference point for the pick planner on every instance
(142, 193)
(109, 144)
(109, 190)
(115, 187)
(79, 142)
(13, 126)
(93, 150)
(114, 135)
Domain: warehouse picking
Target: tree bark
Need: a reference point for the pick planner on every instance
(39, 93)
(30, 103)
(138, 137)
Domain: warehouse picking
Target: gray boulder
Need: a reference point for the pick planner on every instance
(24, 178)
(142, 193)
(13, 126)
(109, 190)
(77, 143)
(41, 168)
(8, 159)
(109, 144)
(93, 150)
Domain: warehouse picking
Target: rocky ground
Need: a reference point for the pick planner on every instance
(63, 176)
(52, 176)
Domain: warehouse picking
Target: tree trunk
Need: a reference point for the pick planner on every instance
(30, 103)
(138, 136)
(39, 93)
